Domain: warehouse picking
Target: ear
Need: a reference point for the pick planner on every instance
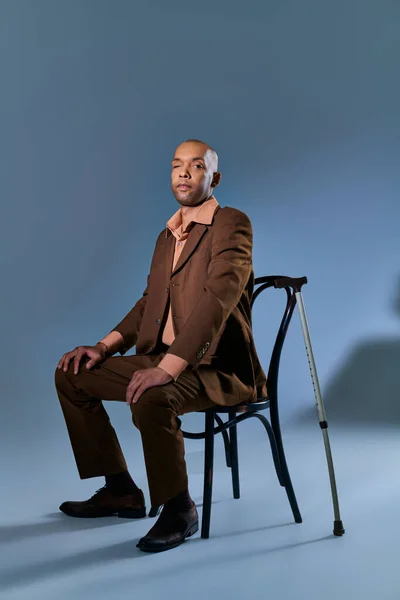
(216, 179)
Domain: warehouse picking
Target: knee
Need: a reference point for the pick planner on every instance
(60, 376)
(154, 406)
(65, 380)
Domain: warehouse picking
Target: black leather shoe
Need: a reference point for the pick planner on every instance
(105, 504)
(170, 530)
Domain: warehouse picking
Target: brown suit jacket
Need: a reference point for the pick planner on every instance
(210, 291)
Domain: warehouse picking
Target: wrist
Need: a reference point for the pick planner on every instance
(171, 377)
(173, 365)
(103, 347)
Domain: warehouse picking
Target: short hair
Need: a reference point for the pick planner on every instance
(210, 149)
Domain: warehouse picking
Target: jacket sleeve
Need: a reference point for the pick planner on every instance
(130, 324)
(228, 274)
(173, 365)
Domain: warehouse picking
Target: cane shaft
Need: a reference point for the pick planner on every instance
(310, 356)
(332, 477)
(321, 412)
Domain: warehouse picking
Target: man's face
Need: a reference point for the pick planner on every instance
(193, 174)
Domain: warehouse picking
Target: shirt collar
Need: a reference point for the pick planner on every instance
(203, 213)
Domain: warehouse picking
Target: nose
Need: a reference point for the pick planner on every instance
(184, 173)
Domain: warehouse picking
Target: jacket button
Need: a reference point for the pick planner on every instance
(167, 289)
(158, 321)
(151, 348)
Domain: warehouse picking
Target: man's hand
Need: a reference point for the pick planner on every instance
(96, 354)
(143, 380)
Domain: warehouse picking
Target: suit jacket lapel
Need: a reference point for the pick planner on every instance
(190, 246)
(168, 253)
(194, 238)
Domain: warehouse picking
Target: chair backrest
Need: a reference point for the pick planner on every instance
(290, 285)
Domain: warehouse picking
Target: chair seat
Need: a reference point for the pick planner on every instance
(243, 407)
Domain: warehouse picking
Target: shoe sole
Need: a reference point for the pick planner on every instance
(135, 513)
(127, 513)
(191, 531)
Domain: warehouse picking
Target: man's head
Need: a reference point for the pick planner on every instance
(194, 172)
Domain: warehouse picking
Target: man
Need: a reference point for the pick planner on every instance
(194, 349)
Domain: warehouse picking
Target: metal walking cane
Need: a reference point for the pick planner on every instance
(296, 285)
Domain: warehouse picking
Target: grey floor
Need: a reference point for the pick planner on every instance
(255, 549)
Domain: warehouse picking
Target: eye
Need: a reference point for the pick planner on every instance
(199, 165)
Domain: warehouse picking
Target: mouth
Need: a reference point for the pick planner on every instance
(183, 187)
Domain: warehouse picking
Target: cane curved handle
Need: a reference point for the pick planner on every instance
(296, 283)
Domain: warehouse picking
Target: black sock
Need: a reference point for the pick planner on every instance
(121, 483)
(180, 503)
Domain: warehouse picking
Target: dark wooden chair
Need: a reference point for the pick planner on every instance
(240, 412)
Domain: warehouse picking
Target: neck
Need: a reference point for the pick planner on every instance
(188, 209)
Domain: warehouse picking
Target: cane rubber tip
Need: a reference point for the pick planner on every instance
(338, 528)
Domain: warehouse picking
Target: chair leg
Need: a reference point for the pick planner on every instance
(225, 436)
(234, 458)
(287, 482)
(289, 488)
(208, 474)
(281, 467)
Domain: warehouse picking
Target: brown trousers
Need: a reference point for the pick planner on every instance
(94, 442)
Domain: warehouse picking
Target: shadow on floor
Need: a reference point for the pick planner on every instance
(59, 523)
(27, 574)
(366, 388)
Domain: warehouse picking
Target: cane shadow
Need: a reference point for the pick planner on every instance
(366, 388)
(50, 569)
(239, 532)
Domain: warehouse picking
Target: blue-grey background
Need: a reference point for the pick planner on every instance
(301, 101)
